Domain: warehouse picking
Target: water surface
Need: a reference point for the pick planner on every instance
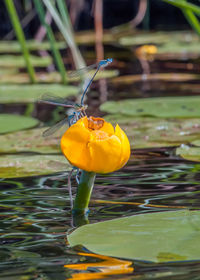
(35, 217)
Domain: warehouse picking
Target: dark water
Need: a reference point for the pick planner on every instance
(35, 217)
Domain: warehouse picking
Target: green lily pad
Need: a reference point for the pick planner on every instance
(31, 93)
(157, 237)
(164, 107)
(196, 142)
(159, 38)
(33, 45)
(53, 77)
(8, 71)
(88, 37)
(189, 153)
(30, 140)
(14, 166)
(169, 77)
(19, 62)
(174, 48)
(10, 123)
(142, 133)
(156, 132)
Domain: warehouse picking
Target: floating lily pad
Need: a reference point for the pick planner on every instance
(29, 141)
(157, 237)
(88, 37)
(156, 132)
(169, 77)
(13, 166)
(165, 107)
(9, 123)
(196, 142)
(33, 45)
(53, 77)
(189, 153)
(179, 48)
(8, 71)
(159, 38)
(19, 62)
(31, 93)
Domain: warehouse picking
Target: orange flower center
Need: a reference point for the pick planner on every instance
(95, 123)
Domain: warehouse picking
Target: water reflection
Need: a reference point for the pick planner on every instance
(35, 216)
(99, 269)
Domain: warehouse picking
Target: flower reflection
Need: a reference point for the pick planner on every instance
(107, 266)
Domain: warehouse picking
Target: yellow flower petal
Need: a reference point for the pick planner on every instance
(125, 152)
(92, 144)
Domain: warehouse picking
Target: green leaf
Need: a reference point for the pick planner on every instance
(31, 93)
(189, 153)
(165, 107)
(14, 166)
(30, 140)
(10, 123)
(33, 45)
(156, 132)
(157, 237)
(19, 62)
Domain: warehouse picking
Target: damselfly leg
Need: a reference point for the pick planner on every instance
(69, 183)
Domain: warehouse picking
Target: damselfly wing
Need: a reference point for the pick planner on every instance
(101, 64)
(79, 111)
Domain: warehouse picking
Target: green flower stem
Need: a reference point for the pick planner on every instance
(20, 36)
(67, 33)
(84, 192)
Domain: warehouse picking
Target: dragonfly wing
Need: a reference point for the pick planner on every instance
(56, 100)
(54, 128)
(81, 71)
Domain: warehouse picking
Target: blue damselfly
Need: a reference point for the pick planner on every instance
(79, 109)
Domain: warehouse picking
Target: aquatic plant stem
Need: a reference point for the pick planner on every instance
(20, 36)
(67, 33)
(54, 48)
(185, 5)
(84, 192)
(189, 10)
(98, 23)
(192, 19)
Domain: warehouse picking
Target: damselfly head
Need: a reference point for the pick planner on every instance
(105, 62)
(109, 60)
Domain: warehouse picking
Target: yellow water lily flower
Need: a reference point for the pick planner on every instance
(146, 52)
(94, 145)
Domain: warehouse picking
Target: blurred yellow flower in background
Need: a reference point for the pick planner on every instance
(94, 145)
(146, 52)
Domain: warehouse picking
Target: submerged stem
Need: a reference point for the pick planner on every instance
(84, 192)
